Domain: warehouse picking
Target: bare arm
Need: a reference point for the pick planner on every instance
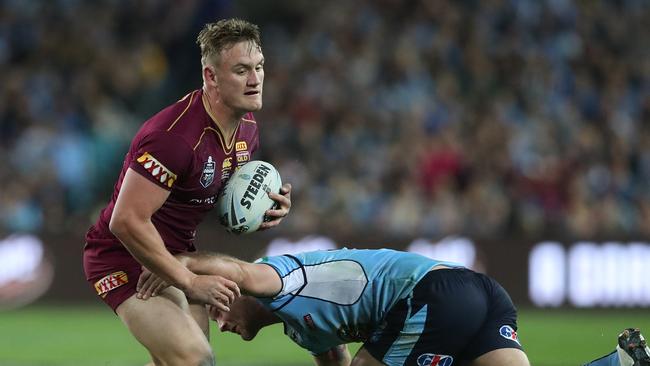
(336, 356)
(258, 280)
(131, 222)
(254, 279)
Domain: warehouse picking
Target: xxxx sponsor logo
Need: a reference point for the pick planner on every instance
(241, 146)
(110, 282)
(153, 166)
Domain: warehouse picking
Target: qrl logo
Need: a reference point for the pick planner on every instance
(208, 173)
(507, 332)
(431, 359)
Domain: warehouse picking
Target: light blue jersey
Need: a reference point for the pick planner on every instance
(340, 296)
(611, 359)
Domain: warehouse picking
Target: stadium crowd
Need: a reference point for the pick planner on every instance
(485, 118)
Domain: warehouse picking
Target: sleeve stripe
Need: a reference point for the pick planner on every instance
(200, 138)
(182, 113)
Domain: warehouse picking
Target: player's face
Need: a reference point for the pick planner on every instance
(240, 77)
(241, 318)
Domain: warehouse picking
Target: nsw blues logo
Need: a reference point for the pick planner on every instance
(431, 359)
(507, 332)
(208, 173)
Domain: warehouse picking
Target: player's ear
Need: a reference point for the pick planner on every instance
(213, 313)
(209, 74)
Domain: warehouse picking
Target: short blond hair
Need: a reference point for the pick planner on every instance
(219, 36)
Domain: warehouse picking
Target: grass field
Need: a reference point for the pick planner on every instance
(57, 336)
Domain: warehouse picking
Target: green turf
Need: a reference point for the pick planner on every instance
(57, 336)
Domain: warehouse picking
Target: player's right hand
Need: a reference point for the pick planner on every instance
(213, 290)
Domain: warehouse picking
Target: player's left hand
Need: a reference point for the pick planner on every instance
(283, 205)
(149, 285)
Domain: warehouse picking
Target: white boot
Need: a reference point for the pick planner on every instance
(632, 348)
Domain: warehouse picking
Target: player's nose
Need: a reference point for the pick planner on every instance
(254, 79)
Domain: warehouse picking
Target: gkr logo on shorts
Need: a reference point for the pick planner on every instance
(431, 359)
(110, 282)
(507, 332)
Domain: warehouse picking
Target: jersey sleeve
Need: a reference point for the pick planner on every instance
(163, 158)
(283, 264)
(285, 267)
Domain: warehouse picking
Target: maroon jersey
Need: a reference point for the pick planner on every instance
(181, 149)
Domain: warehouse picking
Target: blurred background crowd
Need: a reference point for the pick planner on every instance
(481, 117)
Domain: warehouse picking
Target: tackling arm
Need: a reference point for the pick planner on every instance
(255, 279)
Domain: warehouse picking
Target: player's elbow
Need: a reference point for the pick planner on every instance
(120, 225)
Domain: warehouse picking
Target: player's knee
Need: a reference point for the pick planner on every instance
(198, 356)
(208, 360)
(189, 355)
(205, 359)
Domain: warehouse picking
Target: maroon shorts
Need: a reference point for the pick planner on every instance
(111, 271)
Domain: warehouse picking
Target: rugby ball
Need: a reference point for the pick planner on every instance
(244, 200)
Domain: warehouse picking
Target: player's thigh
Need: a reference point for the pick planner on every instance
(363, 358)
(496, 342)
(166, 327)
(502, 357)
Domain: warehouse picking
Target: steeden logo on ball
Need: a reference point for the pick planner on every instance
(244, 200)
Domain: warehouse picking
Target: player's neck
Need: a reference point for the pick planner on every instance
(266, 317)
(225, 119)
